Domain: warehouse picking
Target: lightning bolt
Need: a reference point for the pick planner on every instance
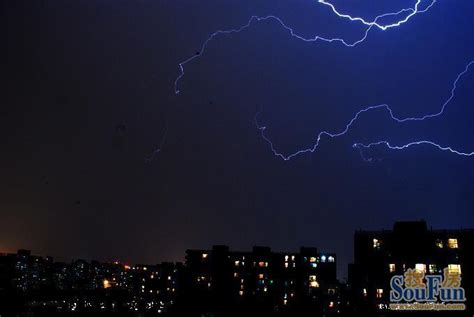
(256, 19)
(369, 109)
(409, 13)
(361, 146)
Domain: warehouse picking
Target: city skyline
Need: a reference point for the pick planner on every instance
(135, 130)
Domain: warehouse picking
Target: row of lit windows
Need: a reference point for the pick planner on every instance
(451, 243)
(312, 259)
(433, 268)
(378, 292)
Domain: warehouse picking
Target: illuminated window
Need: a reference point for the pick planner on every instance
(261, 276)
(265, 289)
(453, 243)
(454, 268)
(312, 259)
(377, 243)
(439, 243)
(262, 264)
(432, 268)
(107, 284)
(313, 283)
(204, 255)
(392, 267)
(314, 265)
(379, 293)
(286, 258)
(420, 267)
(236, 274)
(292, 258)
(331, 304)
(236, 263)
(364, 292)
(331, 259)
(286, 264)
(323, 258)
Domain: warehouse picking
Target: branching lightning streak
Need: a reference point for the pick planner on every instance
(412, 12)
(361, 146)
(370, 24)
(403, 147)
(372, 108)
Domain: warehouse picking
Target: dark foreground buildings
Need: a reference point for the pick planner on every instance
(379, 255)
(260, 282)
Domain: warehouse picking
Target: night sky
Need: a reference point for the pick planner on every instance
(88, 96)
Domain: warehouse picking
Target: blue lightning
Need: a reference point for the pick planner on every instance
(406, 146)
(255, 19)
(413, 11)
(409, 13)
(368, 109)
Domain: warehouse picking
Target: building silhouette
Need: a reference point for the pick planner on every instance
(379, 255)
(224, 282)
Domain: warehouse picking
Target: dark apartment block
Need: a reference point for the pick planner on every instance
(379, 255)
(223, 282)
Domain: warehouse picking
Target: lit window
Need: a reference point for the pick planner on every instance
(313, 283)
(314, 265)
(312, 259)
(454, 268)
(453, 243)
(331, 304)
(392, 267)
(323, 258)
(236, 263)
(241, 293)
(420, 267)
(377, 243)
(236, 274)
(286, 264)
(331, 259)
(379, 293)
(262, 264)
(107, 284)
(286, 258)
(292, 258)
(265, 289)
(261, 276)
(364, 292)
(204, 255)
(432, 268)
(439, 244)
